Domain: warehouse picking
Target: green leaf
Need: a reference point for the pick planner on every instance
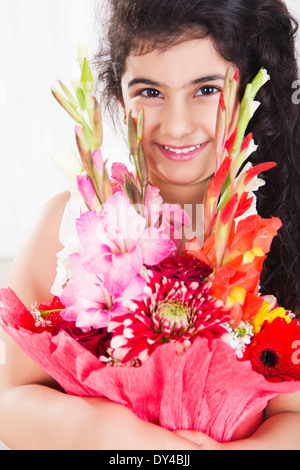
(87, 79)
(81, 98)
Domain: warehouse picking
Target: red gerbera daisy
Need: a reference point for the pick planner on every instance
(272, 351)
(175, 311)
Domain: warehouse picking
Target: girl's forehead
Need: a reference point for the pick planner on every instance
(179, 65)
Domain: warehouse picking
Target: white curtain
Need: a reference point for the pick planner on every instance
(38, 43)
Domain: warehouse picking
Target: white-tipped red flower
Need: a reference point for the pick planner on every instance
(179, 309)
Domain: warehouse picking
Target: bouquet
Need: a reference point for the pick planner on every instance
(178, 334)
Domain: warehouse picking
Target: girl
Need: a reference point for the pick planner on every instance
(171, 56)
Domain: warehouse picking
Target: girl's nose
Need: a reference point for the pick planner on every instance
(177, 121)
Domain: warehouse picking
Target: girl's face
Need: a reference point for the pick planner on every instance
(179, 90)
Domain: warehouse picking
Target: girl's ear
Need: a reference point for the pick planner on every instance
(124, 111)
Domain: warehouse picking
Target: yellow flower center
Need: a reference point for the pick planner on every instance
(174, 312)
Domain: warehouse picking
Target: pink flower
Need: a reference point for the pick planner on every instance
(87, 190)
(118, 172)
(116, 243)
(176, 311)
(100, 175)
(87, 301)
(169, 219)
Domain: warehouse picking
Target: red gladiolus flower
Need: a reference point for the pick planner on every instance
(272, 351)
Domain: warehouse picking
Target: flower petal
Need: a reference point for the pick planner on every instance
(154, 252)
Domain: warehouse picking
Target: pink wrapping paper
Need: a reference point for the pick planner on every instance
(204, 389)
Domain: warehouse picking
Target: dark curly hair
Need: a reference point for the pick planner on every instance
(255, 34)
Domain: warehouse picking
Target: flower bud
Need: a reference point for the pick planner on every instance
(83, 147)
(132, 191)
(132, 135)
(97, 123)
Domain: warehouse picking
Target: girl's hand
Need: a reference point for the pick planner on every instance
(120, 429)
(200, 439)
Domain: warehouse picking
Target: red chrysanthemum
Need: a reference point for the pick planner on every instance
(275, 350)
(175, 311)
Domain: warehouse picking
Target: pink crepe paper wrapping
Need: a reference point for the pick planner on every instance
(204, 389)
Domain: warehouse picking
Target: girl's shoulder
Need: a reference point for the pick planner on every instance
(34, 268)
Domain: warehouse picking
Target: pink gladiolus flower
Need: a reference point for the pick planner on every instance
(101, 176)
(169, 219)
(98, 161)
(118, 172)
(85, 298)
(116, 243)
(88, 302)
(88, 192)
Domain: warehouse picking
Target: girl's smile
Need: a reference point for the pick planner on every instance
(179, 89)
(182, 154)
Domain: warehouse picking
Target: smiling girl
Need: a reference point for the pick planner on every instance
(180, 97)
(170, 57)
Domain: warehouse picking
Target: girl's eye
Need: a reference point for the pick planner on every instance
(207, 90)
(151, 93)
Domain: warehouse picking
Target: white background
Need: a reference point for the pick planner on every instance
(38, 43)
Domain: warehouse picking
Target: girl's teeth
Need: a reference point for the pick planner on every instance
(181, 151)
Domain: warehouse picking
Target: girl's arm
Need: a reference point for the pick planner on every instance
(37, 417)
(34, 412)
(280, 430)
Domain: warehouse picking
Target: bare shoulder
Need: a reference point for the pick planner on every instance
(34, 268)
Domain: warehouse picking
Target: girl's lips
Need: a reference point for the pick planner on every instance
(184, 156)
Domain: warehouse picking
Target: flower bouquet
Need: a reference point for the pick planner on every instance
(178, 334)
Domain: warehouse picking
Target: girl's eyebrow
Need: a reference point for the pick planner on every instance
(198, 81)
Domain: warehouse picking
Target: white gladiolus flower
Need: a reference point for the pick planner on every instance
(68, 162)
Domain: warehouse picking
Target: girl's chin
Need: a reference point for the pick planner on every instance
(180, 178)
